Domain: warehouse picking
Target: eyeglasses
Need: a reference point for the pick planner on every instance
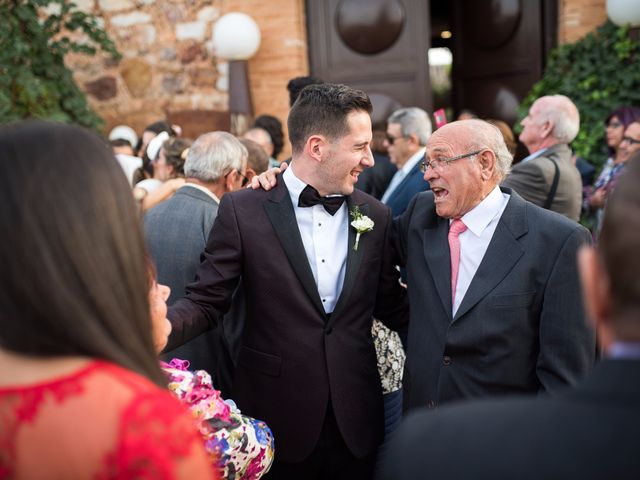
(245, 179)
(391, 139)
(632, 141)
(613, 125)
(440, 161)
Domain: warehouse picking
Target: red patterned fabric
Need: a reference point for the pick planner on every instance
(100, 422)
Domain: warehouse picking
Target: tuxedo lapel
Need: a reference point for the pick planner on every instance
(503, 253)
(283, 219)
(436, 253)
(354, 257)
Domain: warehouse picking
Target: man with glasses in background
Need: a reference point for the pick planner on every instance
(408, 130)
(177, 230)
(493, 287)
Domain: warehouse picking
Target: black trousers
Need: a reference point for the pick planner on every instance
(331, 459)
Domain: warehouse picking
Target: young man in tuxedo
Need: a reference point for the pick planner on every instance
(307, 365)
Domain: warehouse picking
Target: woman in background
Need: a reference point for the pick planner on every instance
(81, 392)
(615, 125)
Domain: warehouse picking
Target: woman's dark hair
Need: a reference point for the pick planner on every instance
(72, 254)
(626, 115)
(175, 152)
(274, 127)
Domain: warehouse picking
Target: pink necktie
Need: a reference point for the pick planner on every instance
(455, 229)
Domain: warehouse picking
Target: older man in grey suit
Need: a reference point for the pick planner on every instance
(548, 176)
(493, 286)
(177, 229)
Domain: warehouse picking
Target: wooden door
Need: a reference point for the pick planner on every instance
(379, 46)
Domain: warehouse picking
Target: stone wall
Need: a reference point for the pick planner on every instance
(169, 69)
(579, 17)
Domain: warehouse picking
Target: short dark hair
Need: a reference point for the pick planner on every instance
(322, 110)
(618, 246)
(296, 85)
(274, 127)
(73, 278)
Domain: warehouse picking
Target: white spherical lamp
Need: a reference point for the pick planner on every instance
(236, 36)
(624, 12)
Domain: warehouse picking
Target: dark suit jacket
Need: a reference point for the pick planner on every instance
(176, 232)
(412, 184)
(533, 180)
(520, 327)
(375, 180)
(587, 433)
(294, 358)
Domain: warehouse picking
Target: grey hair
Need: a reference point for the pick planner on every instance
(413, 121)
(486, 135)
(214, 155)
(564, 115)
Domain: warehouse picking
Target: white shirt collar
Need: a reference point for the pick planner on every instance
(413, 160)
(294, 184)
(202, 189)
(481, 215)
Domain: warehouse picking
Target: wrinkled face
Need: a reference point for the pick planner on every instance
(397, 145)
(631, 140)
(161, 326)
(161, 170)
(615, 132)
(457, 186)
(346, 157)
(532, 125)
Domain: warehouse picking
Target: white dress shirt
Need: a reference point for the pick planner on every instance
(481, 223)
(325, 238)
(402, 173)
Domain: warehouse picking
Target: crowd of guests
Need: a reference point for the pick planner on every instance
(196, 308)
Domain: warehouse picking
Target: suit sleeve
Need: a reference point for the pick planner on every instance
(209, 297)
(567, 341)
(399, 234)
(528, 180)
(392, 307)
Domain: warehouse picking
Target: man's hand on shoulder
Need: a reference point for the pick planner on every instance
(267, 180)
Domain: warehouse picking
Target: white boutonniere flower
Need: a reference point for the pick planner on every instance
(361, 223)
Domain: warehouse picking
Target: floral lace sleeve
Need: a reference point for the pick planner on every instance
(99, 422)
(239, 446)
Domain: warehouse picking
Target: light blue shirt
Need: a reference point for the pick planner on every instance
(402, 173)
(534, 155)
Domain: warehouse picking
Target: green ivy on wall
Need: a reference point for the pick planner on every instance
(34, 81)
(599, 73)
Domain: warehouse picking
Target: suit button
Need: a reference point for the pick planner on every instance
(328, 330)
(431, 404)
(446, 360)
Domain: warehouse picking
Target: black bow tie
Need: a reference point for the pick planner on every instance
(310, 197)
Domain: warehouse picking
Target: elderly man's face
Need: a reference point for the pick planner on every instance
(533, 123)
(457, 185)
